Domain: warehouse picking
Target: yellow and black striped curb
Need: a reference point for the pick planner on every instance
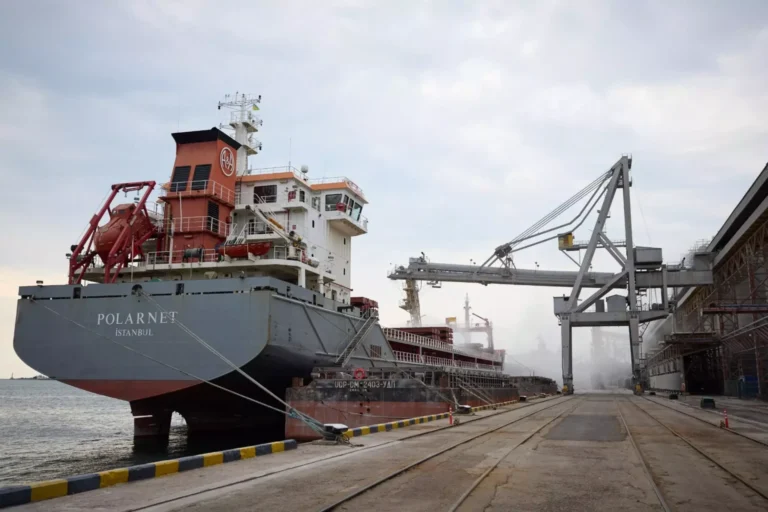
(493, 406)
(21, 494)
(386, 427)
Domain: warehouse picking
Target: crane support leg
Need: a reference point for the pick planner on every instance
(567, 347)
(634, 343)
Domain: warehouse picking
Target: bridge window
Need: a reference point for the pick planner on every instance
(265, 194)
(357, 209)
(201, 176)
(180, 178)
(302, 196)
(331, 200)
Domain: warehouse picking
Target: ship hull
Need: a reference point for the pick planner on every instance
(358, 403)
(134, 344)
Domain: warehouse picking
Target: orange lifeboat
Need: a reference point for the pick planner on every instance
(240, 251)
(107, 235)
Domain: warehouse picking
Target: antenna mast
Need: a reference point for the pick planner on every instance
(244, 122)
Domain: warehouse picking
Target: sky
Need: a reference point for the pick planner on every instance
(463, 124)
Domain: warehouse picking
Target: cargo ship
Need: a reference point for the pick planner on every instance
(238, 276)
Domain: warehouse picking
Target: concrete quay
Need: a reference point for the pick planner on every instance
(581, 452)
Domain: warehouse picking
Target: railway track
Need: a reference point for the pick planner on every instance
(697, 448)
(352, 453)
(706, 422)
(646, 469)
(453, 446)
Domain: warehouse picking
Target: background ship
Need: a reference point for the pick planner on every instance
(228, 295)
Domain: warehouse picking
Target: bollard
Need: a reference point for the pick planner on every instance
(450, 415)
(725, 413)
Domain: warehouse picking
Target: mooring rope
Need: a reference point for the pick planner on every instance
(292, 411)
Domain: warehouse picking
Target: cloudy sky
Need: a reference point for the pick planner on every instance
(464, 125)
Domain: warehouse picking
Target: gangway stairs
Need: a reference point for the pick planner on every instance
(266, 215)
(356, 339)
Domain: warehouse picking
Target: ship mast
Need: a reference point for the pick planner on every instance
(466, 313)
(244, 122)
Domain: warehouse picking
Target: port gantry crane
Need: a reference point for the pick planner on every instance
(642, 268)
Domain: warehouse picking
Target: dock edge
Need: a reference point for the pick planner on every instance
(38, 491)
(386, 427)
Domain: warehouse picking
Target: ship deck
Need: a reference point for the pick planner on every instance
(580, 452)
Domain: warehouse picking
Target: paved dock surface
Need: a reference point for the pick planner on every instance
(583, 452)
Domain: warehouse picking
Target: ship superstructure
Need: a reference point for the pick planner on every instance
(219, 218)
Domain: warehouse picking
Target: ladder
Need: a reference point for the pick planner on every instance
(346, 354)
(264, 214)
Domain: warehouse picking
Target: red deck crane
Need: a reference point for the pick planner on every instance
(118, 241)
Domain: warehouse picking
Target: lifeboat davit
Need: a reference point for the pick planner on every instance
(242, 250)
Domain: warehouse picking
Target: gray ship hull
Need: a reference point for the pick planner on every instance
(128, 341)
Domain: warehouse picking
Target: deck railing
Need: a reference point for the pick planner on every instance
(408, 357)
(415, 339)
(200, 188)
(195, 224)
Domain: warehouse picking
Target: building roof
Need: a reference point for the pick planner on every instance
(755, 195)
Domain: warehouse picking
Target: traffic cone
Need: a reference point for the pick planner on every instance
(450, 415)
(725, 414)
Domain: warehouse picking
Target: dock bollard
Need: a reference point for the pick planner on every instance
(725, 414)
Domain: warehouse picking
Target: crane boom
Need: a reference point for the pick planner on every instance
(642, 268)
(421, 270)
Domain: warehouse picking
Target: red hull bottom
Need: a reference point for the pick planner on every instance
(130, 390)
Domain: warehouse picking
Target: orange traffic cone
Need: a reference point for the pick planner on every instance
(450, 415)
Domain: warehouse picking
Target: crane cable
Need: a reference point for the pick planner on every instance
(534, 230)
(564, 206)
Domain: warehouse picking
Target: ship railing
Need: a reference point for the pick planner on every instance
(201, 188)
(273, 170)
(338, 179)
(196, 224)
(408, 337)
(199, 255)
(415, 339)
(409, 357)
(181, 256)
(438, 361)
(245, 117)
(303, 177)
(479, 354)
